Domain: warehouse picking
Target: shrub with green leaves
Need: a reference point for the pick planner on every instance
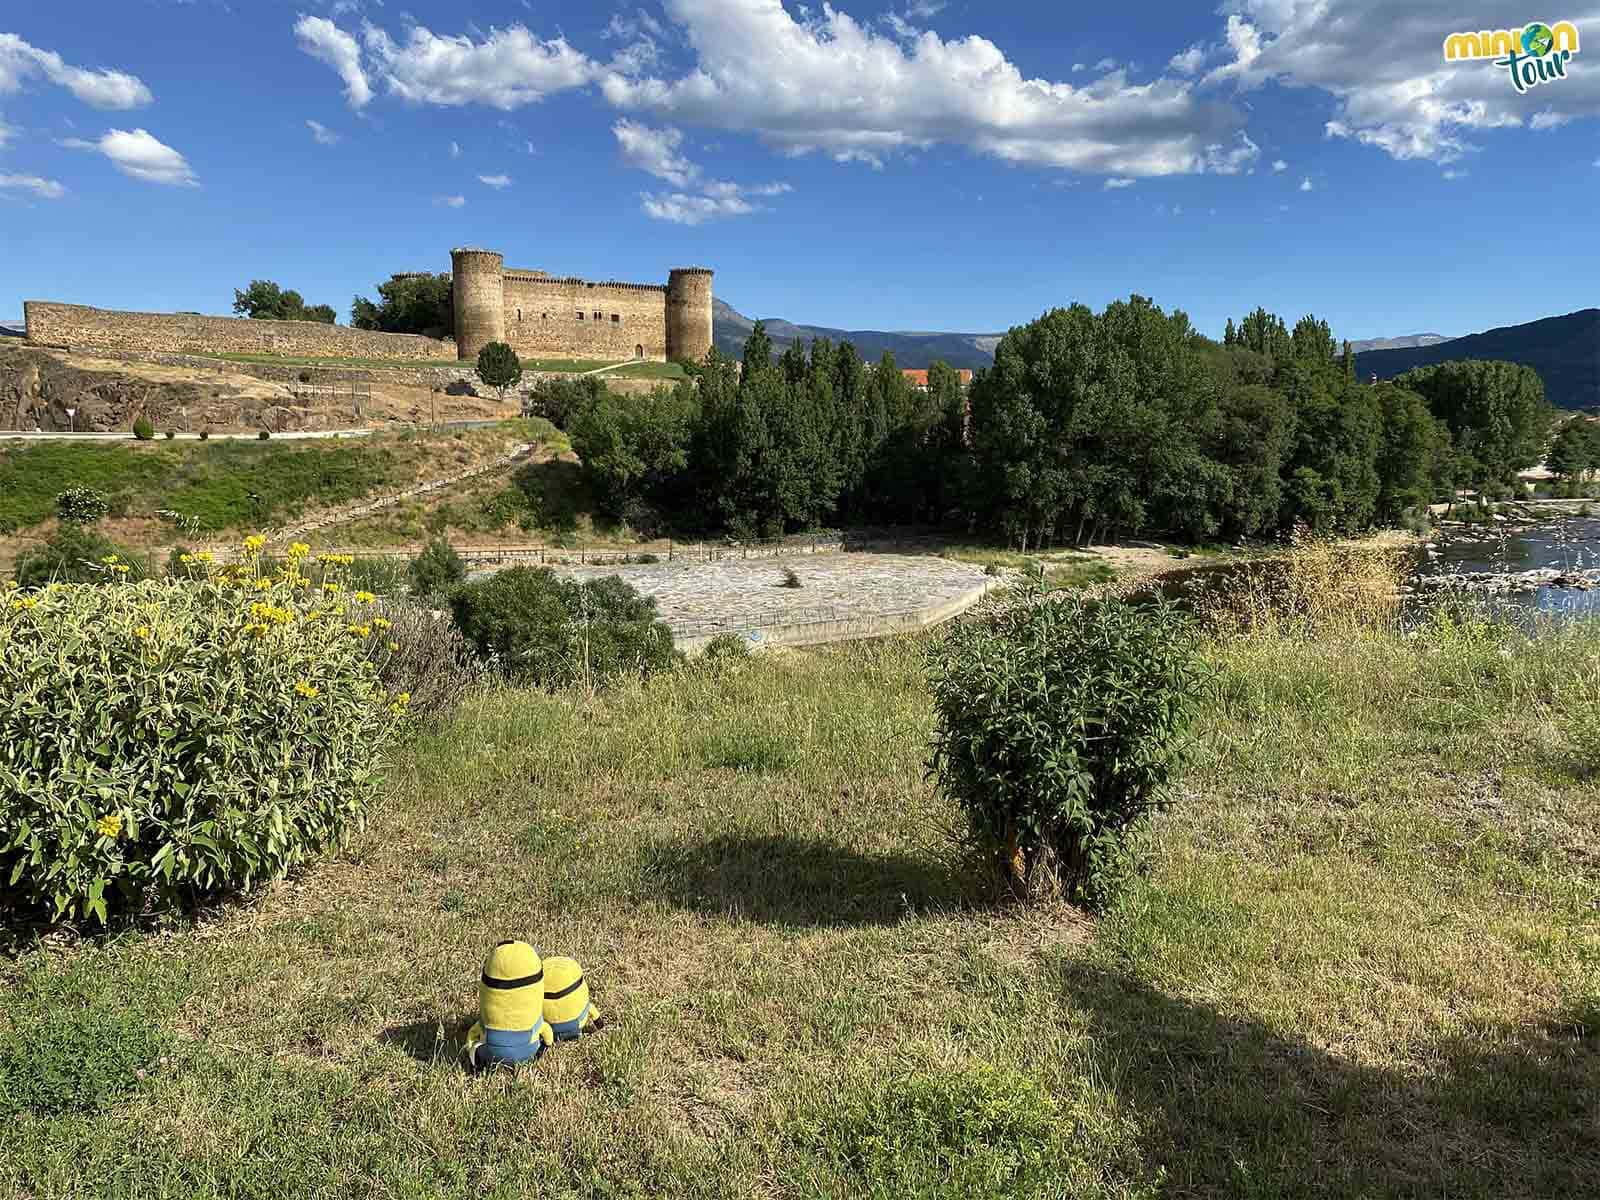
(1059, 727)
(539, 628)
(166, 741)
(81, 506)
(425, 656)
(143, 430)
(437, 569)
(77, 554)
(499, 367)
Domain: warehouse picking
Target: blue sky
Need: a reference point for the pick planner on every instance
(929, 165)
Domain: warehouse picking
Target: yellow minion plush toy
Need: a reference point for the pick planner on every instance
(511, 1028)
(567, 1010)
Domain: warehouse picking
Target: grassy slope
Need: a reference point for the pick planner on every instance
(215, 481)
(1355, 967)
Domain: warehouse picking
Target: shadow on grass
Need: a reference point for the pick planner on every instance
(431, 1041)
(795, 881)
(1235, 1109)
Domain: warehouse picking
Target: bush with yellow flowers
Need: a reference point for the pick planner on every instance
(163, 742)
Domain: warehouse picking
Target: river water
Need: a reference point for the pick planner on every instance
(1566, 544)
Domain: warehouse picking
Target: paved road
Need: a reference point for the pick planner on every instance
(29, 435)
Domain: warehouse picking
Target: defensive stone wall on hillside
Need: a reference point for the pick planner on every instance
(77, 326)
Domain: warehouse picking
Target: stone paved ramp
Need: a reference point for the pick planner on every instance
(841, 596)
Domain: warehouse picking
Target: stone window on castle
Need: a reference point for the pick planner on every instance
(519, 316)
(599, 316)
(616, 318)
(580, 314)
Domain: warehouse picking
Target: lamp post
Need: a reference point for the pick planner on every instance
(72, 419)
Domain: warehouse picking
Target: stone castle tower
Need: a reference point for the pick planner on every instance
(542, 316)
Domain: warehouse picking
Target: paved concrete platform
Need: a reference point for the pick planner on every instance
(841, 596)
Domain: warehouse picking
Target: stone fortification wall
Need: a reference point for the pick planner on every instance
(76, 326)
(573, 318)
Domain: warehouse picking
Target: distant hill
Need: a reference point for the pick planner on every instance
(17, 328)
(974, 351)
(1564, 350)
(1399, 343)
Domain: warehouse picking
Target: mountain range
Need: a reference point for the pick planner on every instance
(1564, 350)
(1409, 342)
(730, 328)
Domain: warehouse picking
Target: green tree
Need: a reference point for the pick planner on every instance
(421, 303)
(1410, 452)
(635, 448)
(436, 570)
(499, 367)
(1498, 417)
(1575, 449)
(264, 300)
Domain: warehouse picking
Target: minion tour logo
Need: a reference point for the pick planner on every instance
(1537, 53)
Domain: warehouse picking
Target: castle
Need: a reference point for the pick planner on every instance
(538, 315)
(543, 317)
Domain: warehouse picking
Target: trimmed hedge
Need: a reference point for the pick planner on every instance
(166, 741)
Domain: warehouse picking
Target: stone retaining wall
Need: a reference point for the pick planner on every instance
(77, 326)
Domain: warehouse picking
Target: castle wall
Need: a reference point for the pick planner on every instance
(618, 320)
(75, 325)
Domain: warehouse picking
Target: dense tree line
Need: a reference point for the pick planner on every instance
(420, 303)
(1089, 425)
(264, 300)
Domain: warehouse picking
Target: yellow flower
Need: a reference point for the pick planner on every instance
(12, 585)
(299, 550)
(361, 631)
(365, 597)
(305, 689)
(393, 646)
(109, 559)
(186, 558)
(142, 633)
(313, 614)
(25, 602)
(205, 556)
(380, 622)
(331, 588)
(254, 542)
(109, 825)
(263, 585)
(403, 699)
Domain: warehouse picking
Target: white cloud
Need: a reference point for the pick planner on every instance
(455, 149)
(817, 80)
(98, 89)
(1079, 67)
(139, 154)
(654, 150)
(682, 209)
(7, 132)
(495, 181)
(1106, 64)
(506, 70)
(922, 10)
(1305, 184)
(659, 152)
(326, 42)
(1119, 182)
(1187, 62)
(1279, 165)
(1231, 160)
(321, 134)
(1455, 174)
(452, 201)
(1393, 92)
(45, 189)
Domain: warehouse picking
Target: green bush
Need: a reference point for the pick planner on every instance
(205, 435)
(726, 646)
(76, 554)
(437, 569)
(81, 506)
(790, 578)
(169, 435)
(538, 628)
(143, 430)
(499, 367)
(385, 576)
(166, 741)
(1059, 727)
(264, 435)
